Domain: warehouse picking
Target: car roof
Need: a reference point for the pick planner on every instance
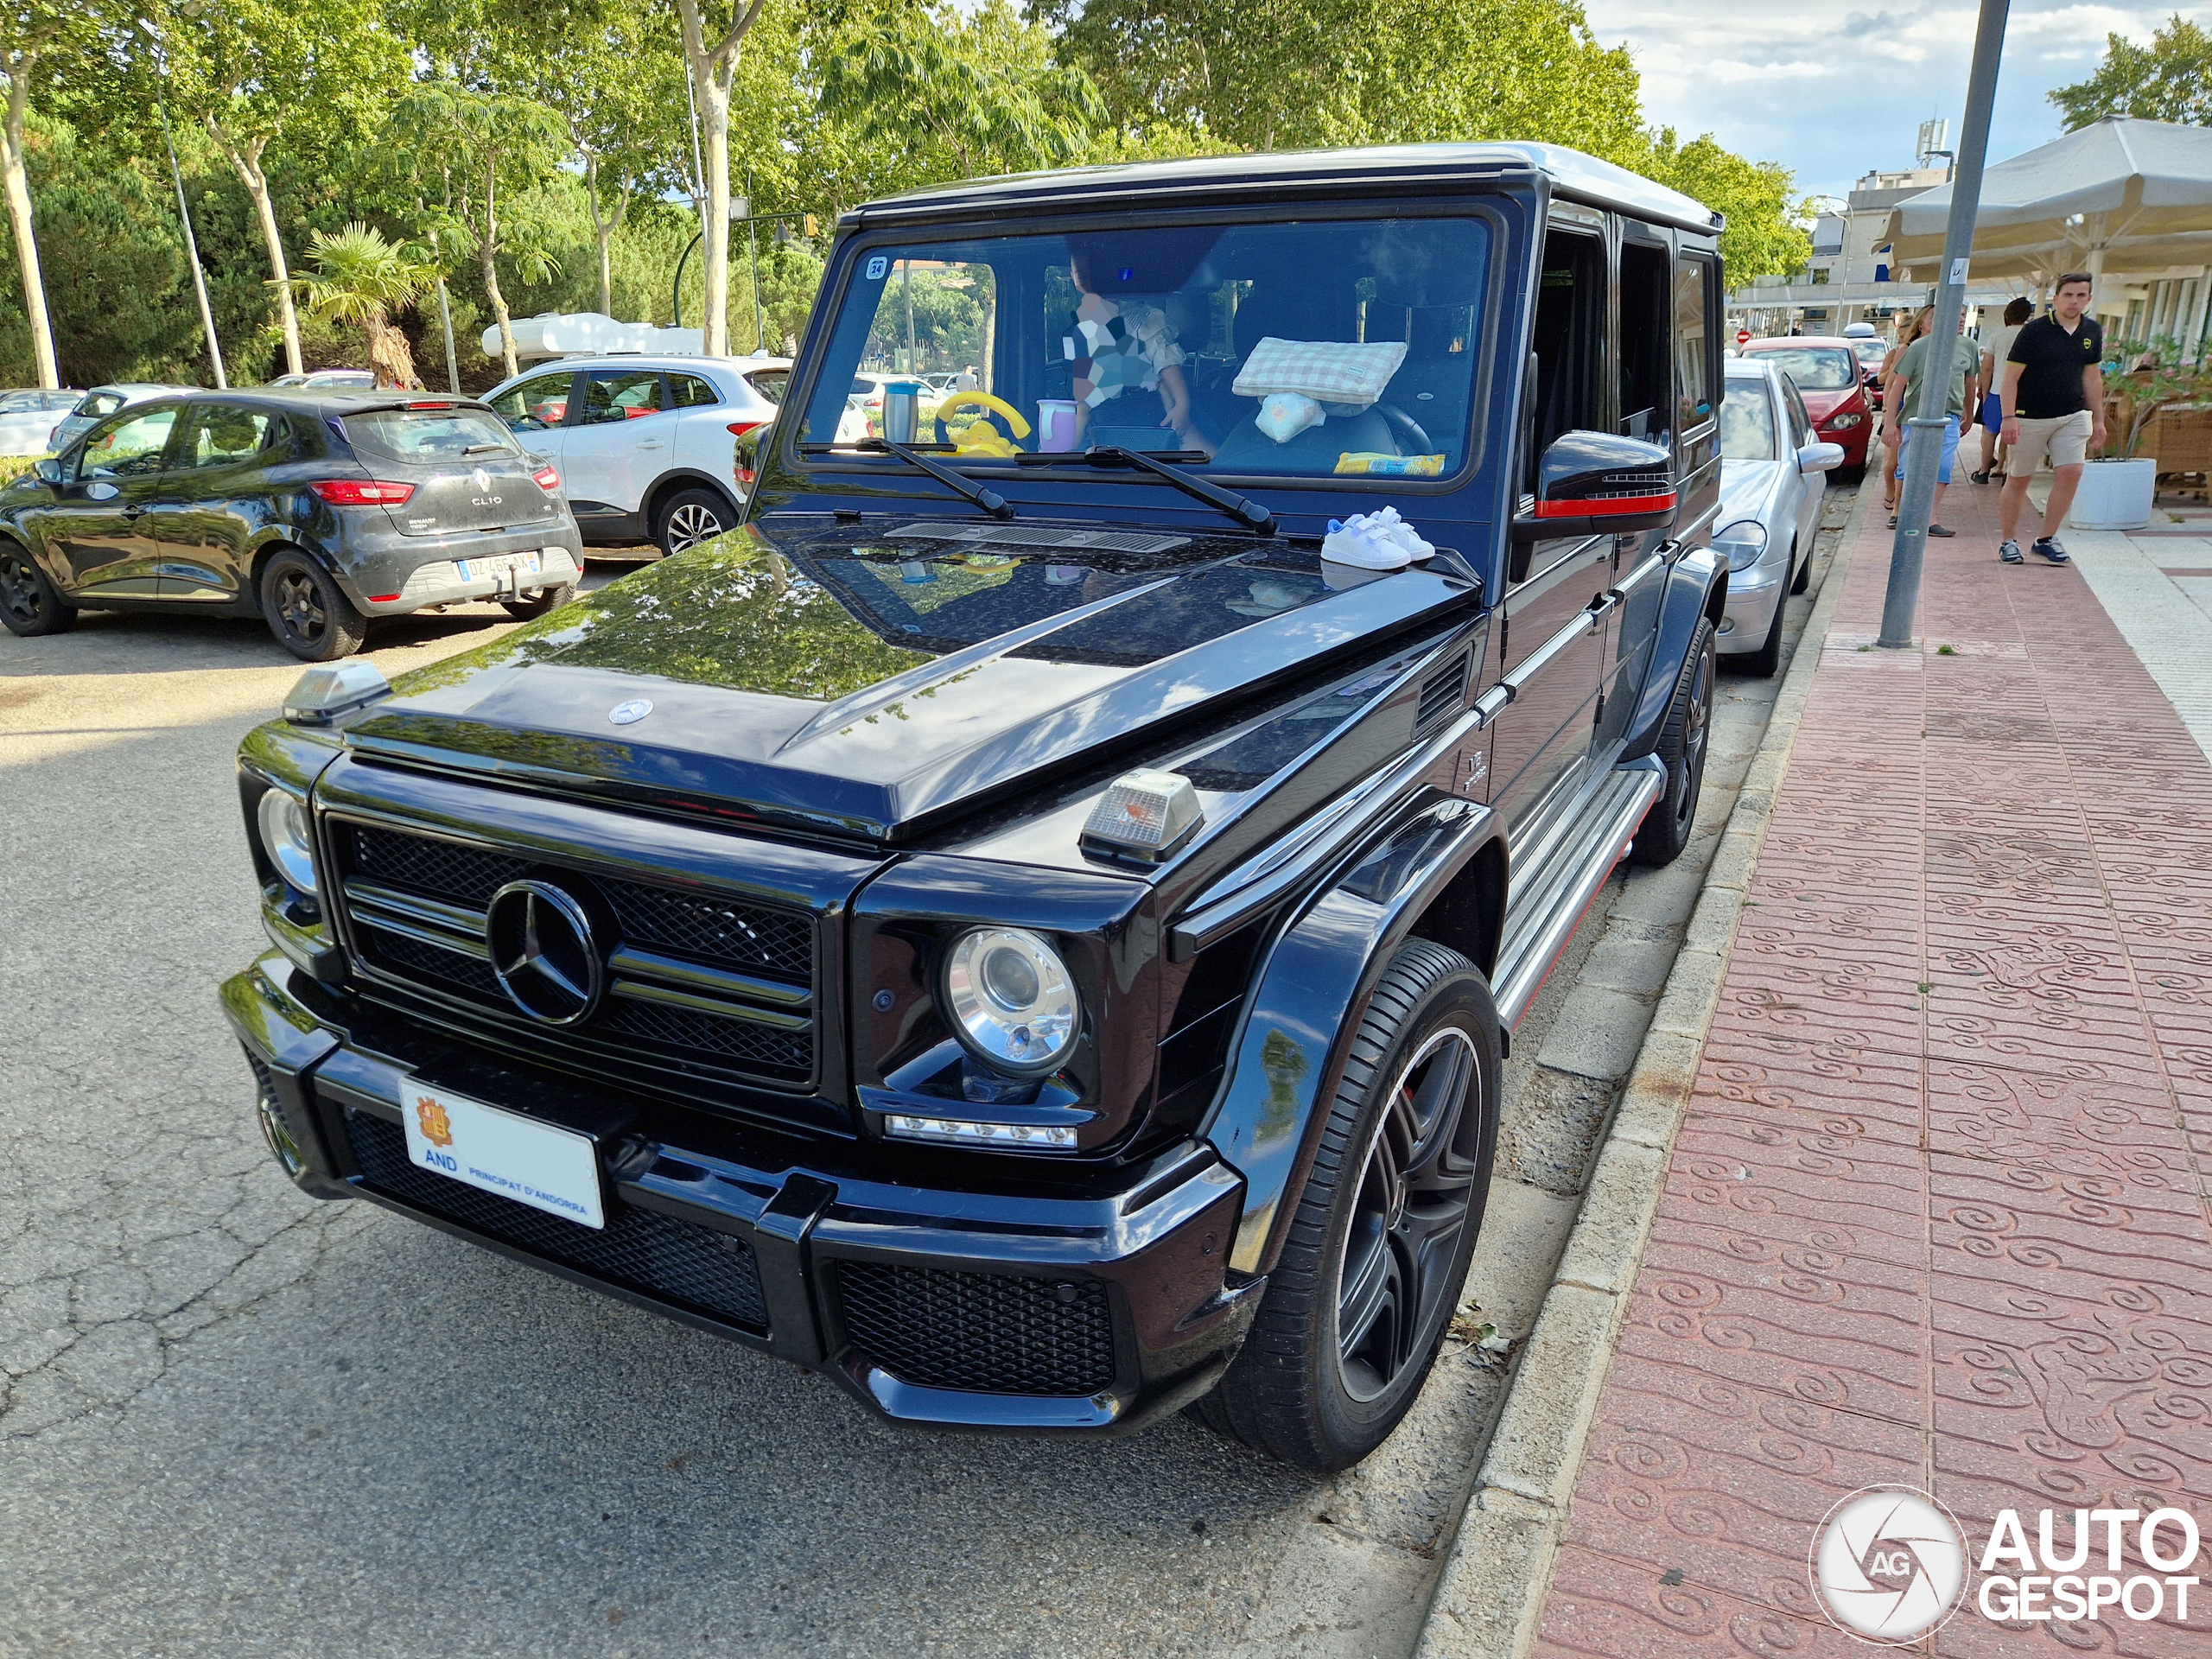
(650, 361)
(329, 400)
(1570, 173)
(1777, 342)
(141, 388)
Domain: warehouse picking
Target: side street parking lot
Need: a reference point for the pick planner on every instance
(235, 1421)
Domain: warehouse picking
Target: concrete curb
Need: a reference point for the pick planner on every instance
(1491, 1594)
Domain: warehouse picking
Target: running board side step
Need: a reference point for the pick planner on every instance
(1546, 908)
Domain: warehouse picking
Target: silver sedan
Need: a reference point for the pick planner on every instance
(1772, 477)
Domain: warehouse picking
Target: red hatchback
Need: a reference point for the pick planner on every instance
(1826, 372)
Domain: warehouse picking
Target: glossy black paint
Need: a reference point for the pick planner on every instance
(1696, 588)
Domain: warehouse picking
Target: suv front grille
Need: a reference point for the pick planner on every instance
(707, 984)
(694, 1267)
(981, 1332)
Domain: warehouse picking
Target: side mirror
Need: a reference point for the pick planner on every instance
(1599, 484)
(48, 468)
(1820, 457)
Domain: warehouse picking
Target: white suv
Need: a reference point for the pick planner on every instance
(643, 442)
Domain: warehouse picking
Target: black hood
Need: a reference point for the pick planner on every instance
(865, 681)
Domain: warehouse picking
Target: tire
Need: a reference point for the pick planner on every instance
(1762, 663)
(543, 602)
(1803, 579)
(307, 611)
(690, 516)
(29, 604)
(1357, 1249)
(1683, 742)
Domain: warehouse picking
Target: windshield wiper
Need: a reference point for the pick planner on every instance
(486, 449)
(983, 495)
(1245, 510)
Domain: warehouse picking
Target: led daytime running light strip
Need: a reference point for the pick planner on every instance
(1053, 1137)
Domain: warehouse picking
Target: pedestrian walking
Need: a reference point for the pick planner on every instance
(1914, 365)
(1994, 351)
(1909, 329)
(2053, 404)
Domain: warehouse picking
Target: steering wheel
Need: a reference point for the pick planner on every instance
(981, 437)
(1406, 429)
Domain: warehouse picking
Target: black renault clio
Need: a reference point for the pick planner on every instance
(315, 511)
(1029, 925)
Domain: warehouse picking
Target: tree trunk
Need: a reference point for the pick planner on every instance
(488, 248)
(246, 159)
(712, 69)
(603, 228)
(19, 219)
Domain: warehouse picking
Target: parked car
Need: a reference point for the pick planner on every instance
(316, 511)
(28, 417)
(329, 380)
(1773, 477)
(643, 442)
(103, 401)
(1023, 932)
(1826, 370)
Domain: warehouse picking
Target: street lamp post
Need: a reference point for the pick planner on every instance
(1901, 601)
(183, 211)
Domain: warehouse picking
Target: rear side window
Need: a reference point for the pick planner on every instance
(771, 383)
(97, 404)
(620, 396)
(1693, 386)
(689, 391)
(427, 435)
(217, 435)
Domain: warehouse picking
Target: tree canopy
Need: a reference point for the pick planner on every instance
(2170, 79)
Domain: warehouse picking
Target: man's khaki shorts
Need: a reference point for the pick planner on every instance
(2064, 437)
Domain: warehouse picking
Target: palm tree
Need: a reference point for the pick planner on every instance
(361, 278)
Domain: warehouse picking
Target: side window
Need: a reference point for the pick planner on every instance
(1568, 339)
(771, 383)
(130, 447)
(690, 392)
(534, 404)
(623, 396)
(218, 435)
(1692, 382)
(1646, 371)
(1800, 422)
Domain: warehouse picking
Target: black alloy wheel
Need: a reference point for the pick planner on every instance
(307, 611)
(1682, 743)
(543, 602)
(689, 517)
(29, 605)
(1361, 1296)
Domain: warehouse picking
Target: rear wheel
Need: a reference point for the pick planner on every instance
(1682, 742)
(1358, 1304)
(531, 606)
(690, 516)
(307, 611)
(29, 604)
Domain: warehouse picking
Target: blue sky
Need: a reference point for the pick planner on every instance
(1831, 100)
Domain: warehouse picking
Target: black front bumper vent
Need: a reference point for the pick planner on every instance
(980, 1333)
(696, 1269)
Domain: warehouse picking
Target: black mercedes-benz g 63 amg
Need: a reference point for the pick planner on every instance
(1027, 925)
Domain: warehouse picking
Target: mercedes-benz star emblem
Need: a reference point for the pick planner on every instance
(542, 950)
(630, 713)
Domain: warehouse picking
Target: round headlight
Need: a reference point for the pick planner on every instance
(284, 838)
(1011, 997)
(1743, 542)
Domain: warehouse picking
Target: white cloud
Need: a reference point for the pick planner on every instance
(1832, 100)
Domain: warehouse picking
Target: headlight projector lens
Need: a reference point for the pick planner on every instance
(284, 836)
(1011, 996)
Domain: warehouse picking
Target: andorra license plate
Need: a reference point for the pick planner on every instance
(547, 1167)
(499, 564)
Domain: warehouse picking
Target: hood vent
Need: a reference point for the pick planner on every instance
(1085, 541)
(1443, 694)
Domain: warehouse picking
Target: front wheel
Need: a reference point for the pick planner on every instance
(1682, 743)
(1371, 1274)
(307, 611)
(29, 604)
(690, 516)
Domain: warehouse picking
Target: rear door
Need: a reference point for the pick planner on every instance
(463, 468)
(619, 439)
(96, 533)
(213, 501)
(703, 416)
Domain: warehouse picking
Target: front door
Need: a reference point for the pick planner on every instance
(616, 442)
(214, 496)
(96, 533)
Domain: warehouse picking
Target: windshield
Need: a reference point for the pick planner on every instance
(427, 434)
(1871, 351)
(1328, 348)
(1747, 420)
(1816, 368)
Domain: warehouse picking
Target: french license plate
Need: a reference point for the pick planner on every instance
(498, 564)
(547, 1167)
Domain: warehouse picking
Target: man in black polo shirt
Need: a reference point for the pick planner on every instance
(2053, 399)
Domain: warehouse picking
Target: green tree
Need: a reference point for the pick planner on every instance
(361, 279)
(34, 36)
(1764, 233)
(2170, 79)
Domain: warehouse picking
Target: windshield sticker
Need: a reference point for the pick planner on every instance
(877, 267)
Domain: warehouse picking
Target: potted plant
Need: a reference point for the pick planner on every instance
(2116, 491)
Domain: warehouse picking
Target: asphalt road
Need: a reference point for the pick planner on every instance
(235, 1421)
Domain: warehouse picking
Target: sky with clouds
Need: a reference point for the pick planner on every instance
(1832, 92)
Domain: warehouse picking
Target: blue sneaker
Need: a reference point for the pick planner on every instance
(2047, 547)
(2009, 551)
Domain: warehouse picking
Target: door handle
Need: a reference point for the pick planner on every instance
(651, 443)
(1600, 606)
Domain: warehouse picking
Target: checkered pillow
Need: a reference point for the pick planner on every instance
(1327, 371)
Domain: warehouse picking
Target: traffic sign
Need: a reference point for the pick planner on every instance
(1743, 336)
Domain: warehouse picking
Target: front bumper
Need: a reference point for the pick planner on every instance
(1002, 1305)
(1754, 601)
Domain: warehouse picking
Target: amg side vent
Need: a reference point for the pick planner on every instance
(1443, 694)
(1071, 541)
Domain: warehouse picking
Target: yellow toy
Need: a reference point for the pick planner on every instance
(980, 438)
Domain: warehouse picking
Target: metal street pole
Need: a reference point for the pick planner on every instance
(191, 252)
(752, 243)
(445, 322)
(1922, 459)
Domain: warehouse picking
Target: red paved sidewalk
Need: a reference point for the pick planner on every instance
(1937, 1214)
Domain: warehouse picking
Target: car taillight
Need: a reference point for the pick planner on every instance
(746, 476)
(549, 478)
(360, 492)
(739, 428)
